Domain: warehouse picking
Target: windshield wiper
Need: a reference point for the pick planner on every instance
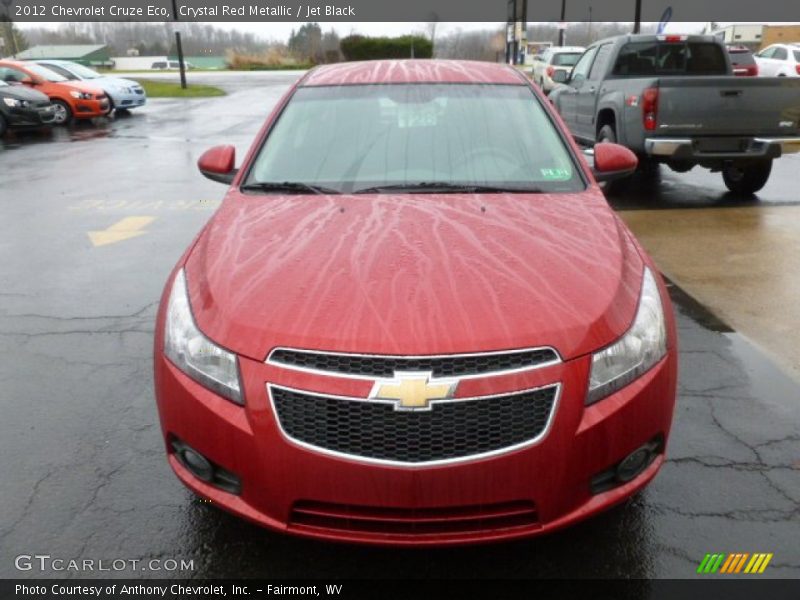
(446, 187)
(287, 186)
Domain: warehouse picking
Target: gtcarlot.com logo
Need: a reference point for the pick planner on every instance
(736, 563)
(46, 562)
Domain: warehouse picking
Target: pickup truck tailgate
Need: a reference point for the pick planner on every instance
(719, 106)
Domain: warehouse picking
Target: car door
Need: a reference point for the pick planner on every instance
(766, 65)
(568, 99)
(780, 59)
(586, 103)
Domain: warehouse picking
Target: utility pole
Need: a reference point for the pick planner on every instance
(178, 46)
(561, 30)
(637, 19)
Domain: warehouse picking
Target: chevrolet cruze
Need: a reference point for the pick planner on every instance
(415, 319)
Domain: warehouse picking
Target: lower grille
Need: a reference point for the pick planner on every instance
(420, 521)
(452, 430)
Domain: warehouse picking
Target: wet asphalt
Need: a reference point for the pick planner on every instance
(83, 472)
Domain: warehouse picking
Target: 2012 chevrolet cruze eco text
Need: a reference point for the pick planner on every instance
(415, 319)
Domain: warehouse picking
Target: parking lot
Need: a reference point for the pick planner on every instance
(95, 217)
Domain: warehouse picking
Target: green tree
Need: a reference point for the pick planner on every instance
(306, 43)
(13, 39)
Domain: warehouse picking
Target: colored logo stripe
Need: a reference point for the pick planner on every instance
(734, 563)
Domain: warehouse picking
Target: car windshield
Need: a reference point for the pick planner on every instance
(419, 136)
(81, 71)
(45, 73)
(670, 58)
(566, 59)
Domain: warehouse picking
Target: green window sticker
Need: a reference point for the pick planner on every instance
(556, 174)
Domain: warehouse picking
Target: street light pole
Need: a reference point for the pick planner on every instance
(178, 46)
(637, 19)
(562, 31)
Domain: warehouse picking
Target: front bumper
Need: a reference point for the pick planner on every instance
(89, 109)
(517, 494)
(32, 116)
(721, 148)
(127, 100)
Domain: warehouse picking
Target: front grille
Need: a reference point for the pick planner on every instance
(449, 431)
(413, 521)
(454, 365)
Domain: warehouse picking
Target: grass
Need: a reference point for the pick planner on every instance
(169, 89)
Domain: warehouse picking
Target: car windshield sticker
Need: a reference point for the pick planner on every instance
(556, 174)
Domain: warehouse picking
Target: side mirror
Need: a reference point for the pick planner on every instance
(560, 77)
(219, 164)
(612, 161)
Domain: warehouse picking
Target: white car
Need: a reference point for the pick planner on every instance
(123, 93)
(554, 59)
(779, 60)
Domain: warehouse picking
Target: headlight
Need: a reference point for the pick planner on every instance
(644, 344)
(192, 352)
(13, 102)
(80, 95)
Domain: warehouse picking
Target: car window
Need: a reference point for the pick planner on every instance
(670, 58)
(360, 136)
(581, 69)
(565, 59)
(766, 53)
(44, 73)
(60, 70)
(796, 55)
(8, 74)
(600, 65)
(780, 54)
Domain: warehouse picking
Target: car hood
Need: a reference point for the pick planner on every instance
(83, 86)
(414, 274)
(20, 92)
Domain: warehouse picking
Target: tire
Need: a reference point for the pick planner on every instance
(607, 134)
(3, 126)
(63, 113)
(748, 179)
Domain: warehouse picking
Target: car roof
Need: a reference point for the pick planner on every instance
(412, 71)
(568, 49)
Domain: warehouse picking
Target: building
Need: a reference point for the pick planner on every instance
(780, 34)
(741, 34)
(89, 55)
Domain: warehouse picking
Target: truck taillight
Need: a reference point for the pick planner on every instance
(650, 108)
(797, 68)
(550, 70)
(672, 38)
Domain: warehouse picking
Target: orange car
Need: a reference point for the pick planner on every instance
(71, 99)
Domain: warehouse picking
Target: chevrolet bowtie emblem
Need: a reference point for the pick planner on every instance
(413, 390)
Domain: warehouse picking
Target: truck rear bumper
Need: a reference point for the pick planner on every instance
(725, 148)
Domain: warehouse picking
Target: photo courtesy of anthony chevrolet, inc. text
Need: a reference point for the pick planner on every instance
(380, 299)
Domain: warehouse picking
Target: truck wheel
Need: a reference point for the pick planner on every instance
(747, 179)
(3, 126)
(607, 134)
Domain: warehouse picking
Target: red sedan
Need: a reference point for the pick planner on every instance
(415, 319)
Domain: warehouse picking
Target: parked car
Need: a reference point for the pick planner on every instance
(475, 348)
(779, 60)
(22, 107)
(551, 60)
(170, 64)
(123, 94)
(673, 99)
(743, 62)
(71, 99)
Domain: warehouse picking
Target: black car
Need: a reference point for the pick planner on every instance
(23, 107)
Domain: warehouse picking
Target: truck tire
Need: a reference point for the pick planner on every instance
(748, 179)
(607, 134)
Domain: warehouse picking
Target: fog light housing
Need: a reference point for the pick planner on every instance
(629, 468)
(205, 470)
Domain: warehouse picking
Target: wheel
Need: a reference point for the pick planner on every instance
(607, 134)
(63, 113)
(3, 126)
(747, 179)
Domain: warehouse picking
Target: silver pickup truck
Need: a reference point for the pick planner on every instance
(673, 99)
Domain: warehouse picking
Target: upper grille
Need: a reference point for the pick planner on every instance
(451, 430)
(454, 365)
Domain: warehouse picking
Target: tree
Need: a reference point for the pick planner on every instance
(14, 41)
(306, 43)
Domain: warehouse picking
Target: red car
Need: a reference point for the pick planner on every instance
(415, 319)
